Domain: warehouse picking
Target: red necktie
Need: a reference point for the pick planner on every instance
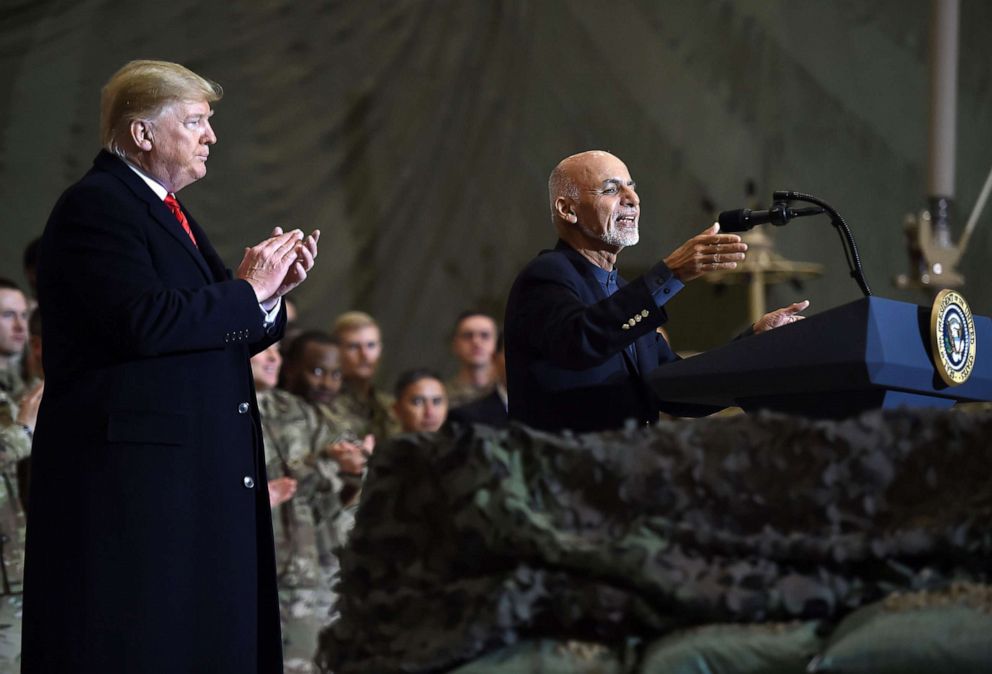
(170, 201)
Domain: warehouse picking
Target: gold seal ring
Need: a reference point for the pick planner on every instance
(952, 337)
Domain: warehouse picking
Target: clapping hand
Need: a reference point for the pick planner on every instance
(278, 264)
(306, 254)
(351, 456)
(281, 489)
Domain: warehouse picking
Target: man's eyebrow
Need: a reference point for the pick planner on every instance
(619, 181)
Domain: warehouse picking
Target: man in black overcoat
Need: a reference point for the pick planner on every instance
(150, 542)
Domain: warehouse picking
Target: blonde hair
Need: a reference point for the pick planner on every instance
(142, 89)
(352, 320)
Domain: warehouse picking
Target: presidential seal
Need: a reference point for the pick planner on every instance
(952, 337)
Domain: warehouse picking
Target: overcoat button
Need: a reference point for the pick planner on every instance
(243, 408)
(249, 483)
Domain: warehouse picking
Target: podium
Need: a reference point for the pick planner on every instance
(871, 353)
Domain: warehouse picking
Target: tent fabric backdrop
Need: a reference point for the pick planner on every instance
(418, 135)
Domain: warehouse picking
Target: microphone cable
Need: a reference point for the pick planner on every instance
(846, 237)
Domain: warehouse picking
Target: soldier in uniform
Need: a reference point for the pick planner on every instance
(421, 401)
(490, 410)
(365, 409)
(13, 336)
(311, 369)
(473, 343)
(18, 414)
(296, 441)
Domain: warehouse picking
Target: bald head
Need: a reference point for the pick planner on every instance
(593, 198)
(561, 182)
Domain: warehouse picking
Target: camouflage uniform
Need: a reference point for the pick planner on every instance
(373, 415)
(462, 393)
(346, 425)
(335, 531)
(11, 381)
(295, 436)
(15, 444)
(354, 419)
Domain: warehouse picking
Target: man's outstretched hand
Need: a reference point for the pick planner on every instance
(780, 317)
(708, 251)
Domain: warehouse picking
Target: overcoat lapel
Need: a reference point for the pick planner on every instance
(206, 251)
(164, 217)
(157, 209)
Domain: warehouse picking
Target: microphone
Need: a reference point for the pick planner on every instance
(744, 219)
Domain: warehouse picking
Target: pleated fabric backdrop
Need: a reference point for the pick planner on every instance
(419, 135)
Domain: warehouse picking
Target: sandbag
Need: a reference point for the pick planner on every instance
(546, 656)
(779, 648)
(915, 633)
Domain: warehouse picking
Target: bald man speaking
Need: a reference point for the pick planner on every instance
(580, 340)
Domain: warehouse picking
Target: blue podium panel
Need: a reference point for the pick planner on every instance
(870, 353)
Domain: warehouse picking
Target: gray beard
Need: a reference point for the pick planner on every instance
(615, 237)
(625, 239)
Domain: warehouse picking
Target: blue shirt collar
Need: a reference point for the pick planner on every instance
(603, 276)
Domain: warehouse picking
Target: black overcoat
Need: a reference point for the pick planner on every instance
(149, 545)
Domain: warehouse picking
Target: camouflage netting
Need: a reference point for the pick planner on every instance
(465, 545)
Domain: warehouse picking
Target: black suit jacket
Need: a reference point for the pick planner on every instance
(565, 342)
(150, 545)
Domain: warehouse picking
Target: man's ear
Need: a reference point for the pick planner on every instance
(141, 134)
(565, 210)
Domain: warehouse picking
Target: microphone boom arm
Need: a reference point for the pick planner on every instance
(847, 239)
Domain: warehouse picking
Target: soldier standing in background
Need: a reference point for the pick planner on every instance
(473, 343)
(366, 409)
(311, 369)
(18, 414)
(13, 336)
(295, 440)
